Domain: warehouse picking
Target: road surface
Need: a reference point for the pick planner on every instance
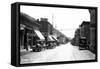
(64, 52)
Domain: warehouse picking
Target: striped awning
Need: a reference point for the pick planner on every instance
(39, 34)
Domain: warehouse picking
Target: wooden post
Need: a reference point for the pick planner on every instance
(32, 38)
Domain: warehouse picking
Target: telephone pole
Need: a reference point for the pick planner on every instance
(52, 23)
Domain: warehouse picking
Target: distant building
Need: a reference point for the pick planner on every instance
(82, 31)
(46, 28)
(76, 39)
(77, 36)
(85, 30)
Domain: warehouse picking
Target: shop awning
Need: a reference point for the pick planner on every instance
(39, 34)
(50, 38)
(54, 38)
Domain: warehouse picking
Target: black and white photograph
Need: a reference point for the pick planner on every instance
(49, 34)
(55, 34)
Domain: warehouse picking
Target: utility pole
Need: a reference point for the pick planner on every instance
(52, 23)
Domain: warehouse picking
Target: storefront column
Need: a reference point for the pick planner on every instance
(32, 38)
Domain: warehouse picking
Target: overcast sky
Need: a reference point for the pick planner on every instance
(66, 19)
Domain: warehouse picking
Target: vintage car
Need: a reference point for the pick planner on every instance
(39, 46)
(83, 43)
(38, 42)
(50, 43)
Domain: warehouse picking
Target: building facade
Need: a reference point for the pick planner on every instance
(27, 27)
(93, 30)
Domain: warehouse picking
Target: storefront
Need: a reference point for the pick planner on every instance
(27, 27)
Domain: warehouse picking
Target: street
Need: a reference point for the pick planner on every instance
(64, 52)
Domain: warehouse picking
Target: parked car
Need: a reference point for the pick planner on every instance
(39, 42)
(39, 46)
(83, 44)
(50, 43)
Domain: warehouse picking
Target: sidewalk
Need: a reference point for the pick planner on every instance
(24, 51)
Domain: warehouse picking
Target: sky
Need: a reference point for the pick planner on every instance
(66, 20)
